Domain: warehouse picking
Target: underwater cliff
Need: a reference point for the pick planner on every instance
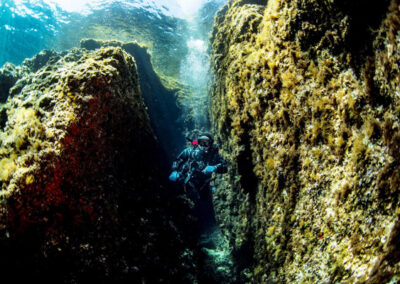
(161, 97)
(305, 103)
(84, 196)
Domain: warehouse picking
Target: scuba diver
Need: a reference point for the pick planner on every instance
(193, 170)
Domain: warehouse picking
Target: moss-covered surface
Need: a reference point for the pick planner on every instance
(162, 96)
(9, 74)
(305, 104)
(82, 177)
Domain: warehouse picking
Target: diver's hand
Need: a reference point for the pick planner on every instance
(174, 176)
(209, 170)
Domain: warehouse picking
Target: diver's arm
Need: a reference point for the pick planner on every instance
(182, 157)
(218, 164)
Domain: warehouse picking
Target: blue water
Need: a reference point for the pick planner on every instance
(26, 29)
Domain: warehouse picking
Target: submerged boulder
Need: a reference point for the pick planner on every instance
(39, 60)
(83, 195)
(9, 74)
(162, 101)
(305, 104)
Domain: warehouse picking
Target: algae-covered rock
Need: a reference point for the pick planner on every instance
(9, 74)
(83, 197)
(41, 59)
(305, 104)
(161, 99)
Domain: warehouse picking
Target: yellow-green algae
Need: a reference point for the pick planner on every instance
(318, 121)
(163, 96)
(82, 192)
(139, 50)
(35, 121)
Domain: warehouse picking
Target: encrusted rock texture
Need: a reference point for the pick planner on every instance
(160, 96)
(83, 195)
(305, 104)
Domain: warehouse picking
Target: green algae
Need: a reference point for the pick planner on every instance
(310, 114)
(163, 95)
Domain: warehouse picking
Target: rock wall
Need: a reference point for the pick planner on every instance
(161, 97)
(82, 177)
(9, 74)
(305, 105)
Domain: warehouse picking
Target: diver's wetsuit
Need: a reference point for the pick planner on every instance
(190, 164)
